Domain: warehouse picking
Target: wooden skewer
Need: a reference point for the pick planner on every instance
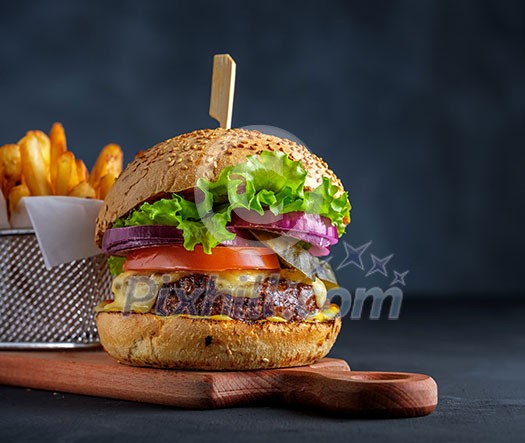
(222, 89)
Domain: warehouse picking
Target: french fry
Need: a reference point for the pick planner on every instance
(42, 165)
(45, 147)
(109, 161)
(83, 189)
(82, 171)
(105, 185)
(65, 165)
(7, 186)
(15, 194)
(73, 179)
(12, 163)
(33, 166)
(57, 138)
(2, 179)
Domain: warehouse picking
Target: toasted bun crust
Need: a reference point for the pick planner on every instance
(185, 343)
(176, 164)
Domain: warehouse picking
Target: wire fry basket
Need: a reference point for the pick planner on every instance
(47, 309)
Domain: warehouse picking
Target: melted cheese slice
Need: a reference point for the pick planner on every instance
(137, 292)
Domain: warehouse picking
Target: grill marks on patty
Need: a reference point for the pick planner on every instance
(197, 294)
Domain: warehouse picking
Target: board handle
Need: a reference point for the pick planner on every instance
(366, 394)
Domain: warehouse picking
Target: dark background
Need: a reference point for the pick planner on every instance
(417, 105)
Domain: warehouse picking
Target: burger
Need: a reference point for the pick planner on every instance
(216, 239)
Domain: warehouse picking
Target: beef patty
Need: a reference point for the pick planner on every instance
(197, 294)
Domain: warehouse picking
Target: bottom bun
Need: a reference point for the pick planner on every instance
(187, 343)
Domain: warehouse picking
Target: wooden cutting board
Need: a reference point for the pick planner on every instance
(326, 386)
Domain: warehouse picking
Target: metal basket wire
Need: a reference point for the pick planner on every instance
(41, 308)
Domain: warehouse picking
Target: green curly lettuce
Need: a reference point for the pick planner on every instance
(271, 181)
(183, 214)
(323, 201)
(115, 264)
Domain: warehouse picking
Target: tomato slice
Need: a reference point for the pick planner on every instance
(222, 258)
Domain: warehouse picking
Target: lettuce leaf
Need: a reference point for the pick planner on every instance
(271, 181)
(207, 231)
(115, 264)
(322, 201)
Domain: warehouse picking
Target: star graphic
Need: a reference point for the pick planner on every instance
(379, 265)
(354, 256)
(399, 277)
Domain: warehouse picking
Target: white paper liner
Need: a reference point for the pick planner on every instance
(4, 222)
(64, 227)
(20, 218)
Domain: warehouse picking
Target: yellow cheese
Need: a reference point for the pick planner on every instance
(319, 292)
(326, 314)
(137, 292)
(204, 317)
(133, 292)
(274, 319)
(240, 283)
